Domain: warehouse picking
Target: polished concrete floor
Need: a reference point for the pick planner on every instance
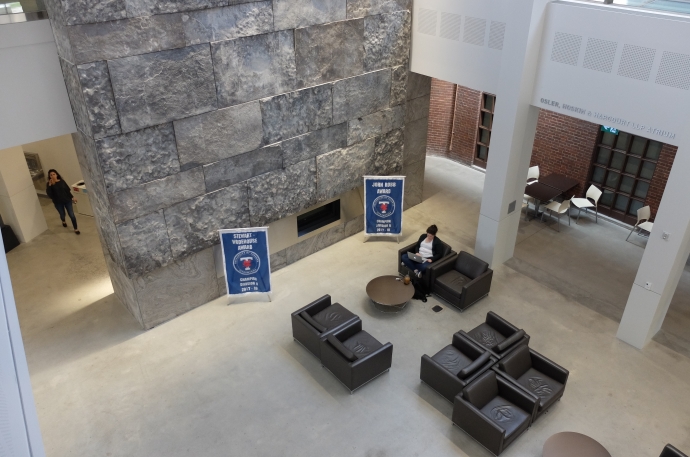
(229, 380)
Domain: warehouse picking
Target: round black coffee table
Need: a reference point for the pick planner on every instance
(572, 444)
(389, 294)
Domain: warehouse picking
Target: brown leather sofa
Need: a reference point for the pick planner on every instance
(461, 280)
(426, 276)
(317, 320)
(494, 411)
(497, 335)
(354, 356)
(455, 366)
(535, 374)
(671, 451)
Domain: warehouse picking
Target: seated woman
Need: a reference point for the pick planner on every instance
(429, 248)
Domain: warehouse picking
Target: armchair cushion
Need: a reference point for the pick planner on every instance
(319, 327)
(482, 391)
(512, 339)
(542, 386)
(474, 366)
(487, 336)
(469, 265)
(452, 359)
(362, 344)
(507, 415)
(671, 451)
(452, 282)
(517, 362)
(340, 347)
(333, 316)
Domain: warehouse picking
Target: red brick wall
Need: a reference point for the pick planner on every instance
(658, 184)
(440, 116)
(468, 103)
(564, 145)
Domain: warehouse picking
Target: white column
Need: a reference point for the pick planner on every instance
(512, 135)
(19, 204)
(663, 259)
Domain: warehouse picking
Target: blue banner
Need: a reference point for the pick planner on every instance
(246, 260)
(383, 205)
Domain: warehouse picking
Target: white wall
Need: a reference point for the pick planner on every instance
(33, 100)
(19, 204)
(57, 153)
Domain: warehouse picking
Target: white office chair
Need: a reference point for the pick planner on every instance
(643, 223)
(558, 208)
(533, 173)
(593, 194)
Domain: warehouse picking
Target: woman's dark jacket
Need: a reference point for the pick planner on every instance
(436, 247)
(59, 192)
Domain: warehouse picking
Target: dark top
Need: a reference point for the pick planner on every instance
(59, 192)
(436, 247)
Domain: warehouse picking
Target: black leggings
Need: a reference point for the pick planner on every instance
(61, 207)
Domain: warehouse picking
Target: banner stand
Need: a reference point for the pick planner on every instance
(383, 206)
(369, 237)
(249, 298)
(246, 262)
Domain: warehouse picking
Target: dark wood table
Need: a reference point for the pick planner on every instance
(572, 444)
(563, 183)
(540, 192)
(389, 293)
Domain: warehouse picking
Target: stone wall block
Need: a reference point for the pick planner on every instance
(414, 183)
(295, 113)
(417, 108)
(154, 88)
(254, 67)
(145, 243)
(59, 26)
(193, 224)
(124, 289)
(386, 40)
(155, 195)
(399, 85)
(99, 99)
(315, 243)
(227, 23)
(177, 288)
(314, 143)
(127, 37)
(135, 158)
(417, 85)
(342, 170)
(415, 141)
(214, 136)
(361, 95)
(137, 8)
(290, 14)
(388, 153)
(375, 124)
(76, 98)
(329, 52)
(86, 11)
(241, 167)
(361, 8)
(277, 194)
(278, 260)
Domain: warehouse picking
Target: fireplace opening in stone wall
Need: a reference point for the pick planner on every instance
(317, 218)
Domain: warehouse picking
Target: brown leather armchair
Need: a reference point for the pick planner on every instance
(535, 374)
(671, 451)
(462, 280)
(493, 411)
(497, 335)
(318, 319)
(354, 356)
(426, 276)
(455, 366)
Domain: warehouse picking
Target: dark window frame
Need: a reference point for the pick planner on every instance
(476, 160)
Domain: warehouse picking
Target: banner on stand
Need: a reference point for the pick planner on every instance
(246, 260)
(383, 205)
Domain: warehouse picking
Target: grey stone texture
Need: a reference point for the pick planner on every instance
(417, 85)
(290, 14)
(361, 95)
(295, 113)
(415, 141)
(375, 124)
(278, 260)
(124, 289)
(76, 98)
(137, 8)
(85, 11)
(314, 143)
(60, 29)
(193, 224)
(322, 240)
(177, 288)
(361, 8)
(399, 85)
(127, 37)
(325, 53)
(414, 183)
(138, 157)
(145, 243)
(277, 194)
(417, 108)
(254, 67)
(388, 153)
(227, 23)
(155, 195)
(218, 134)
(241, 167)
(98, 98)
(342, 170)
(386, 40)
(163, 86)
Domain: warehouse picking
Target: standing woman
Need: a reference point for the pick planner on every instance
(62, 197)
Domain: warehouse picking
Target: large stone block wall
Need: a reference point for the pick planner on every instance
(198, 115)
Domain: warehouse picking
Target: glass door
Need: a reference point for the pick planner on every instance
(486, 120)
